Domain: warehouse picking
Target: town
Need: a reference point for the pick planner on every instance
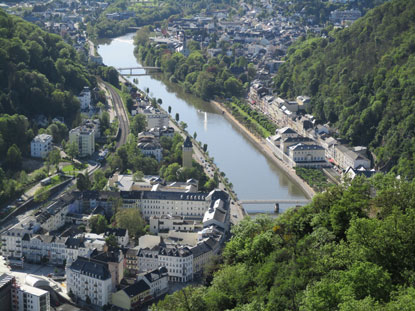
(103, 230)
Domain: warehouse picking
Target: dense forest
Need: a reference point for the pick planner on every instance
(362, 79)
(351, 249)
(39, 72)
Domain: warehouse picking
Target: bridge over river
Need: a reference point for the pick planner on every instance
(132, 69)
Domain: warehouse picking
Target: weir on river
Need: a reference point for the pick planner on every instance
(253, 176)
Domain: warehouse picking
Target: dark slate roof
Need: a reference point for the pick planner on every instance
(156, 274)
(74, 243)
(175, 251)
(306, 147)
(188, 143)
(296, 139)
(287, 130)
(112, 256)
(164, 195)
(118, 232)
(136, 289)
(91, 267)
(200, 249)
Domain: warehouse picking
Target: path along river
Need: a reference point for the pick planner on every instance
(253, 176)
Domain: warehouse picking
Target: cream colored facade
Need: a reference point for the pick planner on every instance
(84, 138)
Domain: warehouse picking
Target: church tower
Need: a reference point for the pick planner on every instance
(187, 152)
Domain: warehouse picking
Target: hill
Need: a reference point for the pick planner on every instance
(362, 79)
(348, 250)
(39, 72)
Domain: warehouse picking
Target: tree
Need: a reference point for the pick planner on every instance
(82, 182)
(99, 180)
(111, 241)
(205, 146)
(138, 176)
(130, 219)
(54, 157)
(98, 224)
(233, 87)
(41, 195)
(72, 150)
(177, 117)
(13, 158)
(194, 135)
(159, 101)
(169, 109)
(138, 124)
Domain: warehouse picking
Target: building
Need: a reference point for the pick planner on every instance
(312, 156)
(41, 145)
(345, 158)
(53, 217)
(115, 261)
(84, 138)
(89, 280)
(179, 262)
(150, 147)
(120, 234)
(187, 153)
(166, 223)
(11, 243)
(31, 298)
(147, 259)
(202, 254)
(217, 215)
(158, 203)
(7, 283)
(157, 279)
(360, 171)
(131, 261)
(85, 98)
(132, 297)
(156, 117)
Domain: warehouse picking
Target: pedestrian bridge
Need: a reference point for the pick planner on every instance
(132, 69)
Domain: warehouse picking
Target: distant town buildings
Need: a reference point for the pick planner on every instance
(41, 145)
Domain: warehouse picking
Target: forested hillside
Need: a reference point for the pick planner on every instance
(362, 79)
(318, 11)
(39, 72)
(351, 249)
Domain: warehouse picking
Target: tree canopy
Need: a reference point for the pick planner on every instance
(352, 248)
(362, 80)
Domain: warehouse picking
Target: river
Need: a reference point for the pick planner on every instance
(253, 176)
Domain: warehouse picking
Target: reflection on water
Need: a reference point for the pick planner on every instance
(252, 174)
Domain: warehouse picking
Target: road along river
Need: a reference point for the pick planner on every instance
(252, 174)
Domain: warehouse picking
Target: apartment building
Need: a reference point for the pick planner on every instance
(31, 298)
(41, 145)
(89, 280)
(84, 138)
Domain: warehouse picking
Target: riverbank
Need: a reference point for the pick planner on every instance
(261, 145)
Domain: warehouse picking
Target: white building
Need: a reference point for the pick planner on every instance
(84, 137)
(53, 217)
(345, 158)
(41, 145)
(11, 242)
(157, 279)
(156, 117)
(120, 234)
(31, 298)
(89, 279)
(148, 259)
(179, 262)
(307, 155)
(85, 98)
(216, 215)
(158, 203)
(151, 148)
(168, 222)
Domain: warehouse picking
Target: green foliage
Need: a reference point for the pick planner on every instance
(362, 81)
(130, 219)
(313, 177)
(39, 72)
(306, 259)
(98, 224)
